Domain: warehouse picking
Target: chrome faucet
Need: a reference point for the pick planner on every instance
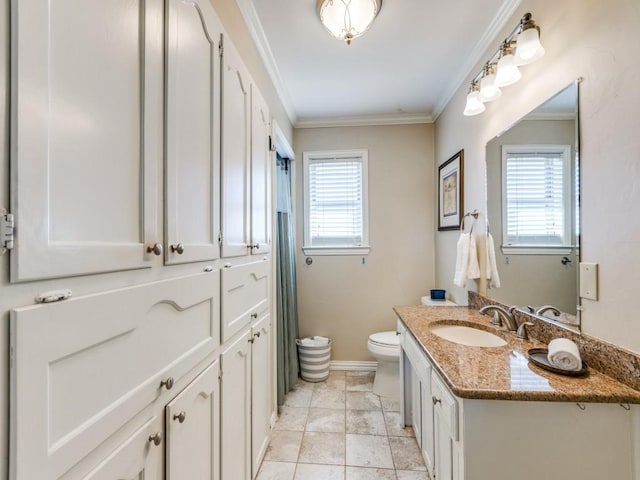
(505, 316)
(546, 308)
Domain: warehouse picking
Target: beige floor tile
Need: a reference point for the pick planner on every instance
(304, 385)
(292, 418)
(395, 428)
(412, 475)
(359, 373)
(406, 454)
(328, 398)
(325, 420)
(332, 383)
(337, 373)
(366, 422)
(323, 448)
(284, 447)
(299, 397)
(389, 404)
(307, 471)
(360, 383)
(361, 473)
(363, 401)
(368, 451)
(276, 471)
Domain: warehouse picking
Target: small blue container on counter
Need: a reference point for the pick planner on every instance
(438, 294)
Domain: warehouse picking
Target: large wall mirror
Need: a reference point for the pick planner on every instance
(533, 174)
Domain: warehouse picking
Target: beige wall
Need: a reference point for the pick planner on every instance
(342, 298)
(23, 294)
(594, 40)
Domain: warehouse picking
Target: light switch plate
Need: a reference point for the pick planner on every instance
(589, 280)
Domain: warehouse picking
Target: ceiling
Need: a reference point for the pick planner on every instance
(404, 69)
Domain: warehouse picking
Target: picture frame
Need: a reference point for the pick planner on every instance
(451, 192)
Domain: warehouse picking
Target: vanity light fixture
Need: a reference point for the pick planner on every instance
(348, 19)
(521, 47)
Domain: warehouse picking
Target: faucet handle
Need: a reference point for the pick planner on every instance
(521, 333)
(496, 320)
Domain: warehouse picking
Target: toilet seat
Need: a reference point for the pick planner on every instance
(385, 339)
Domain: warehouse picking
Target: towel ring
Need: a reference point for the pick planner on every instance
(473, 214)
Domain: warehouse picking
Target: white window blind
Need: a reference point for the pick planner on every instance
(335, 200)
(536, 196)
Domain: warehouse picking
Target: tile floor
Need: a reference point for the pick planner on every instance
(340, 430)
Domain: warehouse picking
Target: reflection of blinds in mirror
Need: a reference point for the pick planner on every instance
(335, 193)
(537, 195)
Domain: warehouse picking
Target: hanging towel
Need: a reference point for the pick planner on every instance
(493, 278)
(466, 260)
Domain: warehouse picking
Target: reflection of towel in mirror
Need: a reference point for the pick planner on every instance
(493, 278)
(466, 260)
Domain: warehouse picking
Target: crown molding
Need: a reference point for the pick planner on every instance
(506, 11)
(365, 120)
(256, 31)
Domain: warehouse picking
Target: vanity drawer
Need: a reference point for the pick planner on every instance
(445, 404)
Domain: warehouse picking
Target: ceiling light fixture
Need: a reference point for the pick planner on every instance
(348, 19)
(521, 47)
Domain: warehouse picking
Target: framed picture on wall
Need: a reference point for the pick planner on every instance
(451, 192)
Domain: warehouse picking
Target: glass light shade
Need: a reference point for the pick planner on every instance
(528, 47)
(488, 88)
(474, 105)
(348, 19)
(508, 72)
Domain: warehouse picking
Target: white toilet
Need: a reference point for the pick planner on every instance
(385, 347)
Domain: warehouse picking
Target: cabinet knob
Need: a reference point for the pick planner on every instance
(251, 340)
(180, 416)
(255, 246)
(177, 248)
(156, 249)
(156, 439)
(257, 334)
(168, 383)
(435, 400)
(254, 315)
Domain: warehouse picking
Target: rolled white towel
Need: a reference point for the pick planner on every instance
(320, 340)
(307, 342)
(564, 354)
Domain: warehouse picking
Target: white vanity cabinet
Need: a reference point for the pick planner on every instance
(475, 439)
(262, 405)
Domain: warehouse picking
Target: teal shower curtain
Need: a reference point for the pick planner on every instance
(287, 307)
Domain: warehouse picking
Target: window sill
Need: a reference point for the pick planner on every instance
(536, 250)
(313, 251)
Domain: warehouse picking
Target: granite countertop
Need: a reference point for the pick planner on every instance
(502, 373)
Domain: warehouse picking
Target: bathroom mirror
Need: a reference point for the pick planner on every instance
(533, 174)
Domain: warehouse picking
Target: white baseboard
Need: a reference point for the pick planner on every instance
(357, 366)
(273, 420)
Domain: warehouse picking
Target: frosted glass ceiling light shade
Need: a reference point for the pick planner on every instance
(508, 72)
(528, 46)
(348, 19)
(489, 91)
(474, 105)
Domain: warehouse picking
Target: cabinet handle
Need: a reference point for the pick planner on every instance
(156, 439)
(177, 248)
(180, 416)
(256, 246)
(251, 340)
(435, 400)
(257, 334)
(168, 383)
(254, 315)
(156, 249)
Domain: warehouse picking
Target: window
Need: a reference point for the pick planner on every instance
(335, 203)
(536, 199)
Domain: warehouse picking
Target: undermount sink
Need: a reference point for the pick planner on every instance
(465, 335)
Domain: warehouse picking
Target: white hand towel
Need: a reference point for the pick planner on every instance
(473, 270)
(307, 342)
(493, 278)
(462, 260)
(318, 340)
(564, 354)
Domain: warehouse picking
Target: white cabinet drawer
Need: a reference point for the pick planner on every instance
(245, 294)
(83, 367)
(445, 404)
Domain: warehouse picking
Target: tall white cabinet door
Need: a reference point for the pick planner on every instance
(235, 153)
(261, 165)
(192, 132)
(193, 429)
(86, 136)
(138, 458)
(261, 387)
(236, 410)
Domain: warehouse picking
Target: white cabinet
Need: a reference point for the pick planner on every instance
(442, 407)
(246, 161)
(193, 429)
(236, 409)
(86, 135)
(261, 388)
(192, 132)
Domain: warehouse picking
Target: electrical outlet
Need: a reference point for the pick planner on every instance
(589, 280)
